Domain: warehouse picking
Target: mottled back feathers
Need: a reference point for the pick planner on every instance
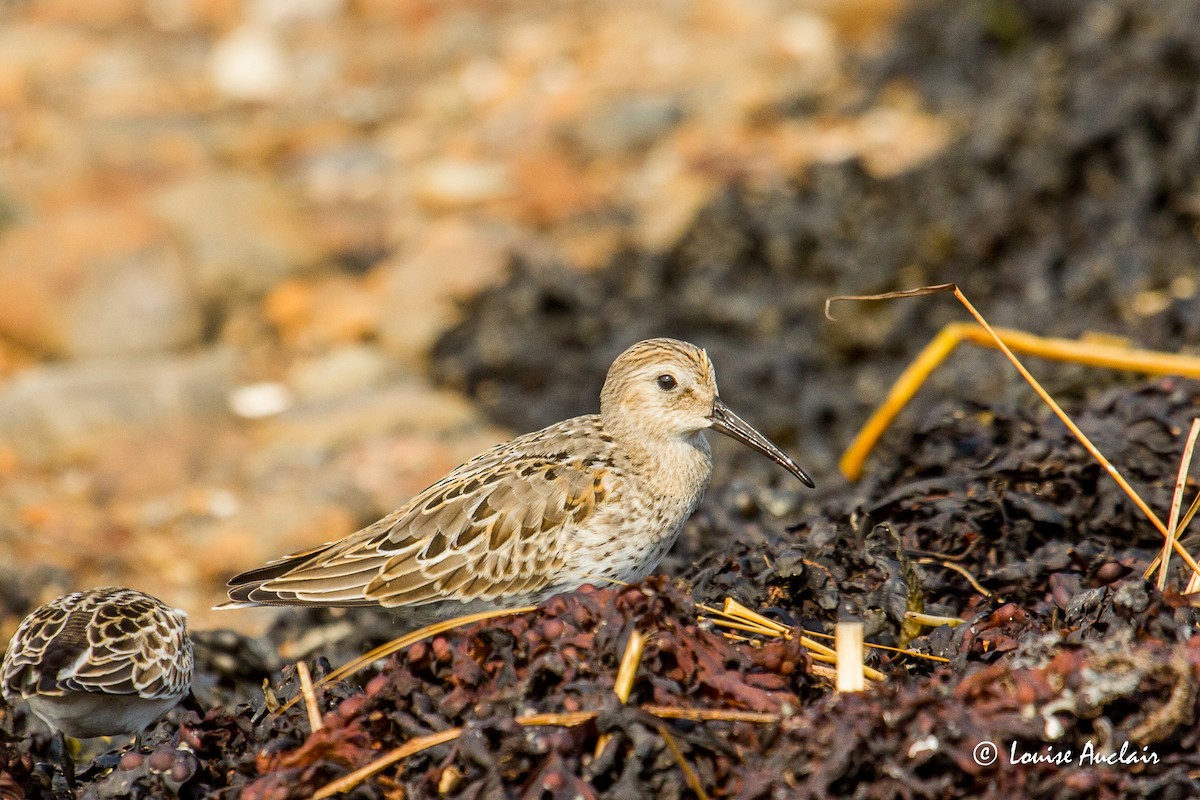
(105, 641)
(497, 525)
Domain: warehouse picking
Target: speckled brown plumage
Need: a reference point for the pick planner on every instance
(597, 496)
(101, 662)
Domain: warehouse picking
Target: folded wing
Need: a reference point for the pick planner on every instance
(494, 528)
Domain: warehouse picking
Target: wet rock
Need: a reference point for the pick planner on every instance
(347, 189)
(457, 183)
(54, 413)
(628, 125)
(453, 261)
(290, 12)
(261, 400)
(240, 234)
(349, 174)
(249, 64)
(312, 314)
(342, 372)
(96, 282)
(403, 405)
(809, 41)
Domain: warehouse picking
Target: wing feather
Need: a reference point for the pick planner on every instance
(109, 640)
(501, 524)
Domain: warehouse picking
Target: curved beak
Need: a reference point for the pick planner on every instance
(730, 424)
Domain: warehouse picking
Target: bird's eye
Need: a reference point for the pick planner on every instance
(667, 382)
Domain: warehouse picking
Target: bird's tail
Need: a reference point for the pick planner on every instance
(248, 589)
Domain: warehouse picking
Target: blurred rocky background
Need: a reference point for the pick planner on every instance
(231, 232)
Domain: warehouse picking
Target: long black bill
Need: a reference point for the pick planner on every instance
(730, 424)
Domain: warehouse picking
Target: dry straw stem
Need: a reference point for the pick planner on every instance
(449, 780)
(960, 570)
(825, 672)
(735, 609)
(689, 774)
(932, 620)
(1193, 584)
(411, 747)
(1191, 512)
(564, 720)
(943, 344)
(849, 642)
(1185, 464)
(623, 685)
(1155, 363)
(710, 714)
(398, 644)
(737, 616)
(889, 648)
(310, 697)
(630, 661)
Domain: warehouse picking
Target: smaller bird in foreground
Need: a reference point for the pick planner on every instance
(594, 497)
(102, 662)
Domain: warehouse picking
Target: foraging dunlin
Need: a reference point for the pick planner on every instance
(598, 496)
(104, 662)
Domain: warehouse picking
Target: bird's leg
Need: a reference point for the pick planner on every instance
(107, 760)
(191, 703)
(60, 752)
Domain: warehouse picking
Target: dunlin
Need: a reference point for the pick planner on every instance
(104, 662)
(594, 497)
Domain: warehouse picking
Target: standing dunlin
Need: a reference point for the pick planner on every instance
(104, 662)
(598, 496)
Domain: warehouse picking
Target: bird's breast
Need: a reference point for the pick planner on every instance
(642, 517)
